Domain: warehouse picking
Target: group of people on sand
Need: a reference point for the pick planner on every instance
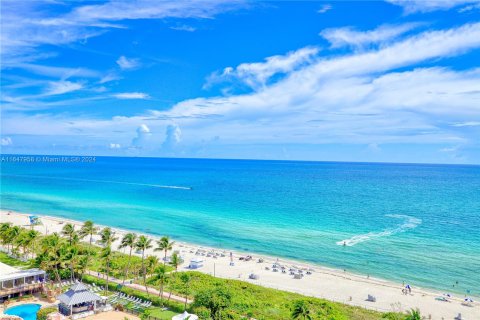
(407, 290)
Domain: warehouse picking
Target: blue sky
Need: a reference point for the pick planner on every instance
(394, 81)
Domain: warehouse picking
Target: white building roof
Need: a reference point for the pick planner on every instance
(5, 268)
(19, 274)
(78, 293)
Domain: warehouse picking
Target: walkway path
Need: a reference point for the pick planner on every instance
(136, 286)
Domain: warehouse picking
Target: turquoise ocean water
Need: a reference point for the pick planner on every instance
(402, 222)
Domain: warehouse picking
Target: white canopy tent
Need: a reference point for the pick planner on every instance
(185, 316)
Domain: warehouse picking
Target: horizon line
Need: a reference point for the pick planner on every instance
(245, 159)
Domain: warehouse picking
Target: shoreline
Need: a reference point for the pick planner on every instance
(324, 282)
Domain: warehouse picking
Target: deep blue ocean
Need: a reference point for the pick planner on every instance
(416, 223)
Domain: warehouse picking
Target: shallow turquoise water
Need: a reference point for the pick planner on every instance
(403, 222)
(25, 311)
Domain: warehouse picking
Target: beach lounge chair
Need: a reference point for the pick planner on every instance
(371, 298)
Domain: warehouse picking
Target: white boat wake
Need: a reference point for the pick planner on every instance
(101, 181)
(408, 223)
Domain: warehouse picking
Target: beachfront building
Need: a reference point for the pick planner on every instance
(15, 282)
(78, 301)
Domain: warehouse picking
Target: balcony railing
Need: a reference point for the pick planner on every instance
(22, 288)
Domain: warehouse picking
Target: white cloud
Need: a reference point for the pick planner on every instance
(469, 8)
(467, 124)
(255, 75)
(128, 63)
(184, 27)
(27, 25)
(413, 6)
(173, 136)
(131, 95)
(62, 87)
(57, 72)
(325, 8)
(348, 36)
(377, 96)
(114, 146)
(143, 136)
(7, 141)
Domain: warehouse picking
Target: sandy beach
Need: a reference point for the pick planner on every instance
(331, 284)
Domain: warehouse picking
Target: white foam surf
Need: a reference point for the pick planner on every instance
(103, 181)
(408, 223)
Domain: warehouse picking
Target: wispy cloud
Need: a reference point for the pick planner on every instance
(348, 36)
(325, 8)
(131, 95)
(128, 63)
(57, 72)
(184, 27)
(61, 87)
(26, 25)
(256, 75)
(414, 6)
(467, 124)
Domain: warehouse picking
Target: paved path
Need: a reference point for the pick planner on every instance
(139, 287)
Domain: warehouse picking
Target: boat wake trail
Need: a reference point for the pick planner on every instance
(101, 181)
(408, 223)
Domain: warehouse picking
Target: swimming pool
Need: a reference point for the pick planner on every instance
(25, 311)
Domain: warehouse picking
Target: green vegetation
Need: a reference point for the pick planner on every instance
(214, 298)
(44, 312)
(13, 262)
(162, 314)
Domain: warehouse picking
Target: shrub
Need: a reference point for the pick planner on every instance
(202, 313)
(44, 312)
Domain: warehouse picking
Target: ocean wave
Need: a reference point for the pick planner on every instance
(408, 223)
(101, 181)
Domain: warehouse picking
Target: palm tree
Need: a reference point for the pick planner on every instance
(4, 230)
(151, 264)
(53, 254)
(161, 276)
(68, 231)
(107, 238)
(175, 261)
(301, 310)
(128, 240)
(31, 238)
(164, 244)
(106, 255)
(71, 257)
(185, 278)
(88, 229)
(10, 235)
(81, 265)
(26, 239)
(143, 243)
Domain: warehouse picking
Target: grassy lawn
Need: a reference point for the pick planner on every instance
(159, 313)
(12, 261)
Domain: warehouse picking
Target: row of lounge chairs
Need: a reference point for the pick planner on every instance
(96, 288)
(295, 272)
(124, 299)
(65, 283)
